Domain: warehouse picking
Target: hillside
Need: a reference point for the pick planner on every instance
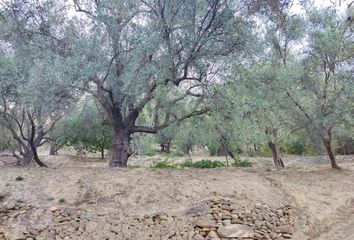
(83, 199)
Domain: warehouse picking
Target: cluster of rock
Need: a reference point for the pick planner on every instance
(217, 218)
(10, 213)
(226, 220)
(26, 222)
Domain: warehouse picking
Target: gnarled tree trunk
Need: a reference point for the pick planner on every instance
(121, 150)
(27, 156)
(34, 142)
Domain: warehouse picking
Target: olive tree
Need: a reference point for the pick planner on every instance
(33, 97)
(133, 52)
(323, 94)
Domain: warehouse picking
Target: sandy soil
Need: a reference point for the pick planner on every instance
(322, 198)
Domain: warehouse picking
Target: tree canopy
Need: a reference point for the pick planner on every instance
(248, 72)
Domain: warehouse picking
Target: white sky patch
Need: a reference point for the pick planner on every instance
(339, 5)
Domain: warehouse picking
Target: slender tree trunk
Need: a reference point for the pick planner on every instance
(36, 158)
(121, 150)
(332, 157)
(273, 145)
(276, 154)
(232, 155)
(166, 145)
(35, 142)
(162, 146)
(102, 152)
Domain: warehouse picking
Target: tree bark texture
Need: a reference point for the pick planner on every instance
(121, 150)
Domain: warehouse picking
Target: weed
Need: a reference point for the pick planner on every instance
(209, 164)
(163, 164)
(241, 163)
(19, 178)
(185, 164)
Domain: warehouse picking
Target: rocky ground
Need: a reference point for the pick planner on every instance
(80, 198)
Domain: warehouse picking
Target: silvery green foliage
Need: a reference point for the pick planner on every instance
(131, 52)
(324, 83)
(33, 96)
(302, 79)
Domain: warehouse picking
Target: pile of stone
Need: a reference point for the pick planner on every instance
(12, 213)
(226, 220)
(217, 218)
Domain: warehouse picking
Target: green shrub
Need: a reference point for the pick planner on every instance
(209, 164)
(201, 164)
(185, 164)
(19, 178)
(61, 200)
(266, 152)
(241, 163)
(163, 164)
(295, 146)
(311, 151)
(251, 153)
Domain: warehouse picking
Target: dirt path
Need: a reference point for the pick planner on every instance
(339, 226)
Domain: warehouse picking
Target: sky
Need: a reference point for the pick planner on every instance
(341, 5)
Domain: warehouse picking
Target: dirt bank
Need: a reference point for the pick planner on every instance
(321, 200)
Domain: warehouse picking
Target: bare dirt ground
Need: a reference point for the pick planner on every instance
(322, 199)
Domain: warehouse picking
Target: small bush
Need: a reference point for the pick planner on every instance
(295, 146)
(251, 153)
(209, 164)
(19, 178)
(61, 200)
(186, 164)
(241, 163)
(163, 164)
